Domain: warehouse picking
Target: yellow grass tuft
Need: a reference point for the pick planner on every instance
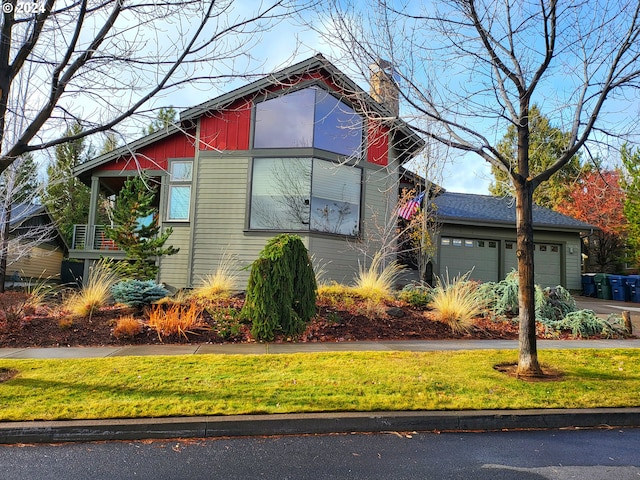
(222, 282)
(456, 302)
(38, 293)
(127, 327)
(96, 293)
(377, 282)
(175, 319)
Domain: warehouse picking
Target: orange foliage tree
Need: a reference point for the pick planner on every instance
(598, 199)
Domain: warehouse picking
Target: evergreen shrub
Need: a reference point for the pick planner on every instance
(136, 293)
(555, 307)
(281, 293)
(416, 295)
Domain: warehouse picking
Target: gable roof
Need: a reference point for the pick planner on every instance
(409, 142)
(23, 212)
(472, 209)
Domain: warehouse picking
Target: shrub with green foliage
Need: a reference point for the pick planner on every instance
(585, 323)
(553, 304)
(281, 293)
(506, 293)
(556, 309)
(136, 293)
(416, 295)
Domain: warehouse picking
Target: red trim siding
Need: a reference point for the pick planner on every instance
(378, 144)
(227, 129)
(155, 156)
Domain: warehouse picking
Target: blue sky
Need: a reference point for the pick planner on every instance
(290, 41)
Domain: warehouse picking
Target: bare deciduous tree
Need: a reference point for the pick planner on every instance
(20, 233)
(98, 62)
(475, 68)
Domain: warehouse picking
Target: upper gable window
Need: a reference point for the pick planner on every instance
(181, 173)
(310, 117)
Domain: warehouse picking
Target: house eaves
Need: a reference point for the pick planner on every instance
(485, 210)
(85, 168)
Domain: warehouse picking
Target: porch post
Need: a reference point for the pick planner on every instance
(93, 210)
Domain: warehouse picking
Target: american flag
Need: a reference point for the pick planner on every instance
(411, 207)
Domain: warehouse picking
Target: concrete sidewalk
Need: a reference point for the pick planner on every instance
(277, 348)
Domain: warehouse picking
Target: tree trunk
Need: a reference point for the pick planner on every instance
(528, 357)
(4, 247)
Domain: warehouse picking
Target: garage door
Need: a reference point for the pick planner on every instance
(461, 255)
(547, 258)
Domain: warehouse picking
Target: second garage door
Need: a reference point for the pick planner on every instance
(547, 258)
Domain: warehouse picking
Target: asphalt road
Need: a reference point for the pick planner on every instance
(521, 455)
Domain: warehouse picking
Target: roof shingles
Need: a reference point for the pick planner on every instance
(464, 207)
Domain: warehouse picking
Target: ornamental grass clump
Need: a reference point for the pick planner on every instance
(377, 282)
(281, 293)
(38, 294)
(127, 327)
(96, 293)
(175, 319)
(222, 282)
(456, 302)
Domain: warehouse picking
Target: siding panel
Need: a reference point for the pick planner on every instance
(219, 219)
(41, 263)
(227, 129)
(174, 268)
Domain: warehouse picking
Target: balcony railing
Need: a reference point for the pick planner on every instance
(100, 241)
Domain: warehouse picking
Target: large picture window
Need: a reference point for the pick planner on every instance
(305, 194)
(310, 117)
(179, 190)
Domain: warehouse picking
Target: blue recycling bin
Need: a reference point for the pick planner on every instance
(588, 285)
(619, 288)
(633, 284)
(603, 288)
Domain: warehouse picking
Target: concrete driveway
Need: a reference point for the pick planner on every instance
(606, 307)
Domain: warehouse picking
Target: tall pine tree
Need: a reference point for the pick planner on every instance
(631, 185)
(546, 144)
(166, 117)
(65, 196)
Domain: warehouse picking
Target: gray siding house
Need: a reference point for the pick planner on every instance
(304, 150)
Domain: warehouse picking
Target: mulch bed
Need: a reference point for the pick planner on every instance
(45, 328)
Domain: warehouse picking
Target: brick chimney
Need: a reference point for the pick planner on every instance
(384, 88)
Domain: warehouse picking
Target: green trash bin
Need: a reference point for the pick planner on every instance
(603, 287)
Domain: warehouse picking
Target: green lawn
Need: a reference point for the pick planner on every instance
(127, 387)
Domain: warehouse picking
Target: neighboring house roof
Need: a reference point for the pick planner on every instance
(408, 141)
(23, 212)
(471, 209)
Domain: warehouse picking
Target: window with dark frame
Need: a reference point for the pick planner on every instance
(306, 193)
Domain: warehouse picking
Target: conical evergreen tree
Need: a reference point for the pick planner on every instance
(137, 230)
(281, 294)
